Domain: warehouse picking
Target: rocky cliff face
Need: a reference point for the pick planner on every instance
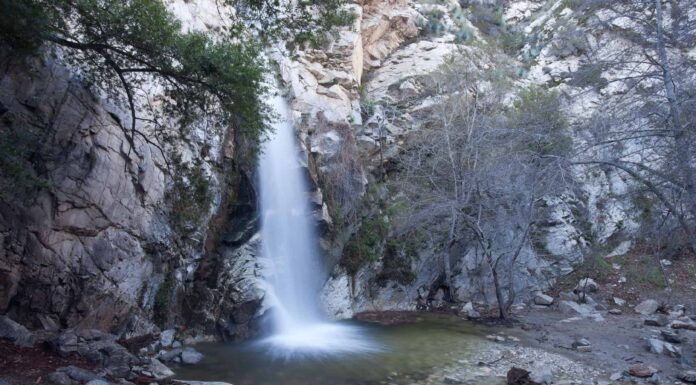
(101, 245)
(108, 238)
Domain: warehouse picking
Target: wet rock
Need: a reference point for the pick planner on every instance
(641, 370)
(659, 320)
(543, 300)
(15, 332)
(672, 336)
(170, 355)
(615, 311)
(191, 356)
(688, 376)
(619, 302)
(647, 307)
(158, 370)
(167, 337)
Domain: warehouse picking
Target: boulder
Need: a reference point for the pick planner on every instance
(79, 374)
(59, 378)
(158, 370)
(543, 300)
(15, 332)
(618, 301)
(586, 285)
(647, 307)
(688, 376)
(671, 336)
(672, 351)
(641, 370)
(655, 346)
(168, 356)
(191, 356)
(469, 311)
(167, 337)
(615, 311)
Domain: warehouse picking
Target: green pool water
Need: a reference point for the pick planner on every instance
(408, 354)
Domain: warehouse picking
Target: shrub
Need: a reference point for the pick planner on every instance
(190, 196)
(366, 244)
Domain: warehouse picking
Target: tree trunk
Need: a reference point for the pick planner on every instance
(502, 304)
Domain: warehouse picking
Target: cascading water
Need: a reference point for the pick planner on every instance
(290, 244)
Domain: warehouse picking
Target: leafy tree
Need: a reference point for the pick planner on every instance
(121, 44)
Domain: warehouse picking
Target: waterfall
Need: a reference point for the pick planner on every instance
(290, 244)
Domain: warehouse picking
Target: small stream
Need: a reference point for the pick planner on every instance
(409, 353)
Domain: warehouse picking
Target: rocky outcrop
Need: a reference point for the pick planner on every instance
(92, 240)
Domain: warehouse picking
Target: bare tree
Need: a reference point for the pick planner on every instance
(480, 168)
(647, 130)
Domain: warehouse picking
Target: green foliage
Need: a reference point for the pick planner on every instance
(589, 75)
(434, 24)
(512, 42)
(488, 18)
(190, 196)
(538, 110)
(366, 244)
(160, 308)
(119, 45)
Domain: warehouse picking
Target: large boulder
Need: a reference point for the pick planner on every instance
(191, 356)
(15, 332)
(647, 307)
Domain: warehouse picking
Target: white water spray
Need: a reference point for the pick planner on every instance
(290, 244)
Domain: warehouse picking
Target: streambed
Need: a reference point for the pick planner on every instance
(408, 353)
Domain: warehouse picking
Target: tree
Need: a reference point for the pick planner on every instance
(482, 168)
(647, 131)
(119, 45)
